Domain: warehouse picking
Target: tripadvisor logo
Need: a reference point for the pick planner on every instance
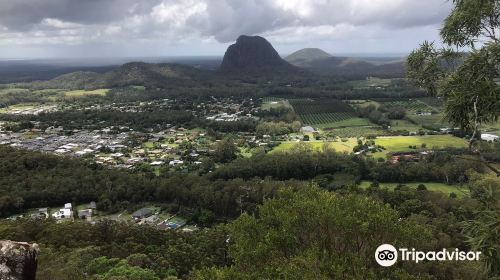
(387, 255)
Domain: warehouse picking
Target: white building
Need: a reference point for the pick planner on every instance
(489, 137)
(175, 162)
(63, 214)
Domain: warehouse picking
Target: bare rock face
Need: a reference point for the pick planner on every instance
(254, 56)
(18, 260)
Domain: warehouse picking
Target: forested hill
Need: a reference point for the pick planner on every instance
(134, 73)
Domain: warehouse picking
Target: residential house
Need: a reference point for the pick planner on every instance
(85, 214)
(63, 214)
(142, 213)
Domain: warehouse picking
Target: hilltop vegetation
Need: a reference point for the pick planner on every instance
(134, 73)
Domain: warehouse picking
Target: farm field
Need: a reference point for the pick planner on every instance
(371, 82)
(404, 125)
(327, 113)
(334, 120)
(274, 102)
(80, 93)
(436, 187)
(434, 120)
(16, 107)
(390, 143)
(432, 101)
(358, 131)
(401, 143)
(411, 105)
(365, 103)
(13, 90)
(339, 146)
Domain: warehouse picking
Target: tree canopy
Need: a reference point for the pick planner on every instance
(468, 81)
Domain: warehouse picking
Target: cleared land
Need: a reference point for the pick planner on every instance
(16, 107)
(402, 143)
(339, 146)
(460, 191)
(411, 105)
(371, 82)
(80, 93)
(391, 144)
(274, 102)
(327, 113)
(357, 131)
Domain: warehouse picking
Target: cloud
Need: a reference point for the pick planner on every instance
(29, 22)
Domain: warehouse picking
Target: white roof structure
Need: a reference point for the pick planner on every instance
(307, 129)
(489, 137)
(63, 213)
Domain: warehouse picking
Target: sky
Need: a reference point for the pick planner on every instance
(147, 28)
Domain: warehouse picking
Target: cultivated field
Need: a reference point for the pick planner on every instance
(402, 143)
(339, 146)
(80, 93)
(411, 105)
(357, 131)
(274, 102)
(390, 143)
(327, 113)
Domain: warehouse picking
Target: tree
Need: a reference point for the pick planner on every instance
(225, 150)
(315, 234)
(482, 232)
(468, 82)
(397, 113)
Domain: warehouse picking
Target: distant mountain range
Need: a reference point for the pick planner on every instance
(303, 57)
(322, 63)
(249, 58)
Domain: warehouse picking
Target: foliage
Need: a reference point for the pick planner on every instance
(313, 234)
(225, 150)
(482, 232)
(471, 89)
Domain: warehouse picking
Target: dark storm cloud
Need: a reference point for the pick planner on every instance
(59, 23)
(21, 15)
(225, 19)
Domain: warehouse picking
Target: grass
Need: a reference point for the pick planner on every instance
(358, 131)
(493, 127)
(367, 103)
(401, 143)
(141, 88)
(436, 187)
(372, 82)
(409, 105)
(21, 106)
(432, 120)
(391, 144)
(404, 125)
(339, 146)
(80, 93)
(13, 90)
(269, 104)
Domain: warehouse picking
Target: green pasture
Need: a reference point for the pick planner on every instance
(402, 143)
(21, 106)
(339, 145)
(404, 125)
(357, 131)
(80, 93)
